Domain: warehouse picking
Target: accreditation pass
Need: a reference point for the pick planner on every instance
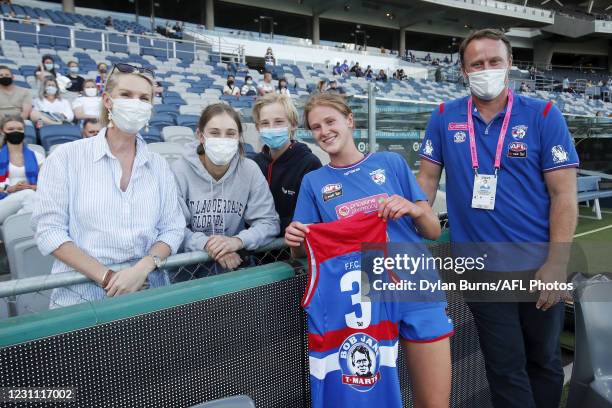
(485, 187)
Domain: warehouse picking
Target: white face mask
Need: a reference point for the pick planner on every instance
(130, 115)
(50, 90)
(487, 84)
(91, 92)
(220, 150)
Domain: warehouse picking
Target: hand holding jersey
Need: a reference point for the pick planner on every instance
(330, 216)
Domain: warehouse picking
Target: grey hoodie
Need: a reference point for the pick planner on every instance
(223, 207)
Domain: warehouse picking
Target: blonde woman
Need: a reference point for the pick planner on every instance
(283, 160)
(50, 108)
(107, 200)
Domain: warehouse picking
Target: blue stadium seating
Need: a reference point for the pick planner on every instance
(153, 135)
(187, 120)
(162, 119)
(173, 100)
(89, 41)
(24, 34)
(56, 134)
(30, 134)
(167, 109)
(117, 43)
(185, 52)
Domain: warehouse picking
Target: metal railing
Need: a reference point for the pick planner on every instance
(30, 295)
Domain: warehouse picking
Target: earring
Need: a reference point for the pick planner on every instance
(110, 120)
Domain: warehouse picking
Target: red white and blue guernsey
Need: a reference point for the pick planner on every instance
(352, 341)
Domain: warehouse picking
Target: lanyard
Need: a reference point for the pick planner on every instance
(502, 134)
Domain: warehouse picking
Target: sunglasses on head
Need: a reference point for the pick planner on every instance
(131, 69)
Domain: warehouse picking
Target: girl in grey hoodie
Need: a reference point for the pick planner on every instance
(221, 191)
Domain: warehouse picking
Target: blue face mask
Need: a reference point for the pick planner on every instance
(73, 70)
(274, 138)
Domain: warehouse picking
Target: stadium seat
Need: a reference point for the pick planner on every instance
(162, 119)
(88, 40)
(24, 34)
(191, 109)
(56, 134)
(240, 401)
(190, 121)
(178, 134)
(171, 100)
(117, 43)
(592, 371)
(16, 228)
(152, 135)
(166, 109)
(30, 134)
(167, 150)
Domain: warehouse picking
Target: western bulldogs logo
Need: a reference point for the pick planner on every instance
(519, 132)
(378, 176)
(359, 361)
(459, 137)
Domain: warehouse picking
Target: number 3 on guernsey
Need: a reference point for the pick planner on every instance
(358, 298)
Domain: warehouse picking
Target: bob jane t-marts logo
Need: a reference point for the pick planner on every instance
(330, 191)
(517, 149)
(359, 360)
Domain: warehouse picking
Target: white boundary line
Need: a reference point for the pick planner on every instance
(593, 231)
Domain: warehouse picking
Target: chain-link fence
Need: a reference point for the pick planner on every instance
(20, 297)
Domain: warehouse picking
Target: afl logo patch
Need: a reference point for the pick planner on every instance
(331, 191)
(359, 360)
(517, 149)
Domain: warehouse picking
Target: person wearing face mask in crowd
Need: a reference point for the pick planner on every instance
(510, 166)
(101, 77)
(283, 160)
(249, 88)
(230, 88)
(221, 192)
(46, 68)
(76, 81)
(14, 100)
(50, 108)
(90, 212)
(19, 167)
(89, 104)
(282, 87)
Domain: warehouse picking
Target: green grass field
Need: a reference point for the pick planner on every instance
(594, 230)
